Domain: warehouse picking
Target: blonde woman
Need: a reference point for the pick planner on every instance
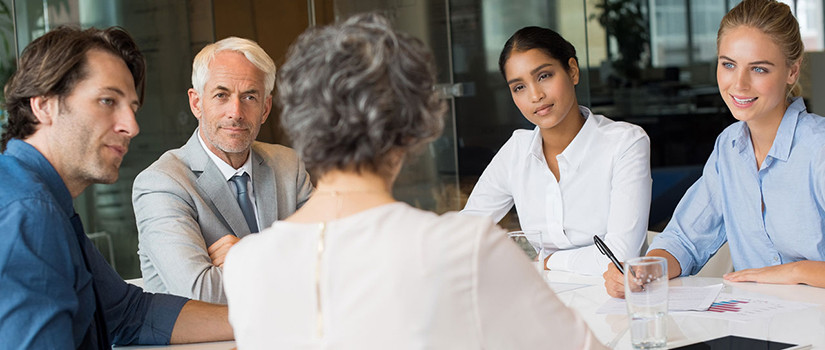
(763, 187)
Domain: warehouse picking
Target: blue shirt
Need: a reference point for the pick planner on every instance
(47, 293)
(725, 204)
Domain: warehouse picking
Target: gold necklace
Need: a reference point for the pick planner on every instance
(338, 196)
(336, 193)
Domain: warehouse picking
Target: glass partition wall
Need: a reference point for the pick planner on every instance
(658, 73)
(648, 62)
(663, 86)
(466, 37)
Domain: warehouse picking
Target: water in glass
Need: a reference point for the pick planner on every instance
(646, 285)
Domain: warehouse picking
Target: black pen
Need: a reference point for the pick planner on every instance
(606, 251)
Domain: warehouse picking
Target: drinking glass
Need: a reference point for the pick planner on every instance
(646, 294)
(531, 243)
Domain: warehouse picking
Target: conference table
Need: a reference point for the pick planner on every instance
(805, 326)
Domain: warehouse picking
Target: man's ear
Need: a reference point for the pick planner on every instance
(45, 108)
(195, 103)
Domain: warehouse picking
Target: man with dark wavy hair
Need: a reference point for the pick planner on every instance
(72, 104)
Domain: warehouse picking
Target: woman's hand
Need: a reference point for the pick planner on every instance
(780, 274)
(613, 281)
(805, 271)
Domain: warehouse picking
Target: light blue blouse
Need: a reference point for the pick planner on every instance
(725, 204)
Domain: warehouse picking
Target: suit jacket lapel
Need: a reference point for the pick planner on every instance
(215, 187)
(263, 179)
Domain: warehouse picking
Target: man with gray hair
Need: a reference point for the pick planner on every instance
(195, 202)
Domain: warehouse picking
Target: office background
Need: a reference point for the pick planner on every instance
(648, 62)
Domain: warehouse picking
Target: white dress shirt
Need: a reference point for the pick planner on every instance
(393, 277)
(228, 172)
(604, 189)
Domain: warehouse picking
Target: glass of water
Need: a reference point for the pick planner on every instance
(646, 294)
(531, 243)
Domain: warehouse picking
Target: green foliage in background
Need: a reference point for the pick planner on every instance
(625, 20)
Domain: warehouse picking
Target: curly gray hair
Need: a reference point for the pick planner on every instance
(355, 91)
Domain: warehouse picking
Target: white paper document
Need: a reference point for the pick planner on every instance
(742, 308)
(678, 299)
(561, 287)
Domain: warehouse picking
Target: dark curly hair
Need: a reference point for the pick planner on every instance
(546, 40)
(355, 91)
(53, 64)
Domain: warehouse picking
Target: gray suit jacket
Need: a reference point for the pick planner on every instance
(183, 204)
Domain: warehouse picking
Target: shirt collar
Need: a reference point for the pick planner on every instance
(576, 150)
(781, 148)
(36, 162)
(227, 170)
(743, 141)
(535, 144)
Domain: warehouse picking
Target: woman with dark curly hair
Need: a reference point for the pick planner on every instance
(354, 268)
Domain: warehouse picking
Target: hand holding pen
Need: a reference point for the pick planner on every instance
(606, 251)
(614, 284)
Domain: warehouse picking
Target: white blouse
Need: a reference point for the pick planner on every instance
(604, 189)
(393, 277)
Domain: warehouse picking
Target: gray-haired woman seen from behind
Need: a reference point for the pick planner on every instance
(354, 268)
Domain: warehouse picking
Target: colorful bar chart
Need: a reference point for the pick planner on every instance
(727, 306)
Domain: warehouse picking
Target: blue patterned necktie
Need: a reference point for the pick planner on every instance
(240, 182)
